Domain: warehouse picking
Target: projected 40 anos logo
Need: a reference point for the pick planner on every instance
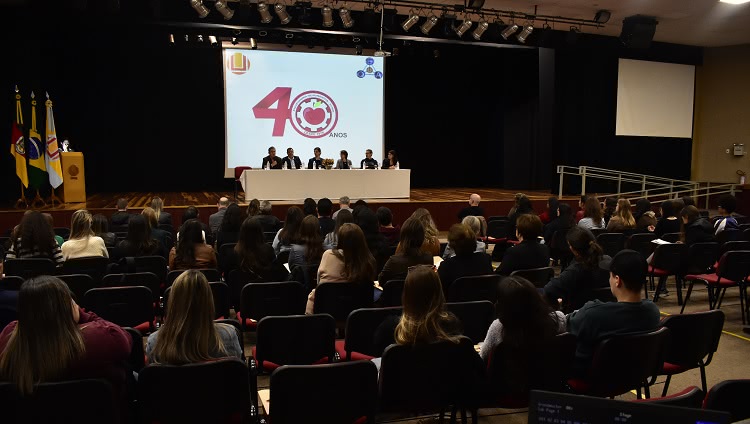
(313, 114)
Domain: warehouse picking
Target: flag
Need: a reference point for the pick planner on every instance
(37, 170)
(18, 145)
(53, 152)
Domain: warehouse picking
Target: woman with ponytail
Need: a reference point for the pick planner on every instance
(575, 284)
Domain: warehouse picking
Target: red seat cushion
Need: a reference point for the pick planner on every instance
(356, 356)
(670, 368)
(250, 324)
(579, 386)
(672, 396)
(658, 272)
(496, 240)
(269, 366)
(710, 278)
(145, 327)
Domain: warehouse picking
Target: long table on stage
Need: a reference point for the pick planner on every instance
(299, 184)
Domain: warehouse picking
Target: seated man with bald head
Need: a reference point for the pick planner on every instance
(473, 209)
(214, 221)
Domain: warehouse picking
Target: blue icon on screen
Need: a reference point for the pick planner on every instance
(369, 69)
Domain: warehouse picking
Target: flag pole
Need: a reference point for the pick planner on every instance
(21, 202)
(38, 202)
(51, 143)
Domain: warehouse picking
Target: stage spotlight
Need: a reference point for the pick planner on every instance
(358, 47)
(428, 25)
(479, 30)
(410, 22)
(253, 44)
(327, 13)
(525, 32)
(510, 30)
(464, 27)
(283, 15)
(200, 38)
(222, 7)
(346, 17)
(171, 39)
(303, 16)
(234, 41)
(212, 39)
(199, 7)
(265, 15)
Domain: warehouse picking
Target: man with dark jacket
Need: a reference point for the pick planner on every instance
(120, 218)
(269, 222)
(529, 253)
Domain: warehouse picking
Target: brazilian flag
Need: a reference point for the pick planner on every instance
(35, 152)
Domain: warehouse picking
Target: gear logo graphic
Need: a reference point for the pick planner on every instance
(314, 114)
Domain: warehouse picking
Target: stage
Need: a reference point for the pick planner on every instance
(443, 203)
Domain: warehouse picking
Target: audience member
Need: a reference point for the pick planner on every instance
(476, 225)
(408, 253)
(516, 199)
(121, 216)
(331, 239)
(191, 250)
(253, 208)
(229, 229)
(308, 249)
(35, 238)
(82, 242)
(55, 340)
(268, 222)
(529, 253)
(597, 321)
(668, 222)
(48, 217)
(523, 207)
(325, 207)
(551, 213)
(189, 334)
(310, 207)
(289, 234)
(622, 219)
(343, 205)
(100, 227)
(315, 162)
(386, 227)
(139, 241)
(161, 217)
(687, 201)
(575, 283)
(610, 206)
(391, 162)
(344, 162)
(164, 237)
(214, 221)
(431, 241)
(367, 221)
(581, 208)
(466, 262)
(645, 218)
(351, 261)
(695, 228)
(368, 162)
(562, 222)
(359, 203)
(725, 220)
(593, 217)
(271, 161)
(473, 209)
(291, 161)
(255, 257)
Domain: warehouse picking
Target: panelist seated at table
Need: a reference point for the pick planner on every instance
(368, 162)
(315, 162)
(344, 162)
(291, 161)
(391, 162)
(273, 161)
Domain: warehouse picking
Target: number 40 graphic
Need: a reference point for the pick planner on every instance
(280, 114)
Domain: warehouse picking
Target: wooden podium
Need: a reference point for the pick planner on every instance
(74, 181)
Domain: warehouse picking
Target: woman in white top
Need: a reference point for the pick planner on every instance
(83, 243)
(593, 216)
(344, 162)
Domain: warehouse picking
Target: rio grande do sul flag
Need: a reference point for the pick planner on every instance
(35, 152)
(53, 152)
(18, 144)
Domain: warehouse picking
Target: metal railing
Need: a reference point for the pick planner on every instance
(646, 186)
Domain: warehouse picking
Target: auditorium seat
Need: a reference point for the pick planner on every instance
(392, 292)
(94, 266)
(340, 299)
(78, 284)
(124, 306)
(730, 396)
(60, 402)
(29, 267)
(667, 260)
(476, 317)
(220, 294)
(467, 289)
(361, 324)
(689, 397)
(611, 243)
(733, 269)
(146, 279)
(537, 276)
(11, 282)
(137, 358)
(211, 274)
(701, 258)
(641, 243)
(259, 300)
(294, 340)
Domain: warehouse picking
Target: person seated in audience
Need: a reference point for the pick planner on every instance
(291, 161)
(431, 241)
(325, 208)
(358, 203)
(386, 227)
(310, 207)
(725, 220)
(622, 219)
(162, 217)
(473, 209)
(365, 218)
(229, 230)
(645, 218)
(529, 253)
(315, 162)
(289, 234)
(523, 320)
(575, 283)
(48, 217)
(610, 206)
(466, 262)
(191, 212)
(189, 334)
(351, 261)
(139, 241)
(214, 220)
(343, 205)
(268, 221)
(551, 212)
(82, 242)
(344, 162)
(597, 321)
(391, 161)
(687, 201)
(331, 239)
(668, 222)
(271, 161)
(253, 208)
(562, 222)
(191, 250)
(162, 236)
(475, 224)
(55, 340)
(523, 207)
(368, 162)
(254, 256)
(695, 228)
(308, 249)
(35, 238)
(408, 253)
(593, 217)
(100, 227)
(121, 216)
(581, 208)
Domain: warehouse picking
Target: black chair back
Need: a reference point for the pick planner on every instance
(95, 266)
(730, 396)
(283, 257)
(538, 276)
(124, 306)
(476, 317)
(145, 279)
(497, 218)
(136, 360)
(597, 231)
(11, 283)
(153, 264)
(467, 289)
(63, 232)
(392, 291)
(701, 258)
(237, 279)
(220, 294)
(498, 229)
(349, 391)
(671, 237)
(227, 258)
(729, 235)
(611, 243)
(114, 253)
(360, 330)
(269, 235)
(734, 245)
(78, 284)
(60, 402)
(305, 275)
(211, 274)
(641, 243)
(693, 337)
(166, 227)
(734, 265)
(296, 339)
(29, 267)
(207, 392)
(260, 300)
(559, 247)
(670, 257)
(340, 299)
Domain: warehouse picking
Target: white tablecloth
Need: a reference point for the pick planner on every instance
(298, 184)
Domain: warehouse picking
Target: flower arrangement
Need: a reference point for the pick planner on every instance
(328, 163)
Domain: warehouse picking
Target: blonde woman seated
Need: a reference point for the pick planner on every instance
(351, 261)
(189, 333)
(431, 243)
(623, 218)
(82, 242)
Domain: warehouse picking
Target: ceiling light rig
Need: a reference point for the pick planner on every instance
(528, 28)
(346, 17)
(281, 12)
(410, 21)
(221, 6)
(428, 25)
(480, 29)
(200, 8)
(265, 14)
(327, 13)
(465, 25)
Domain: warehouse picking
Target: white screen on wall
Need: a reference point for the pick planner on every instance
(655, 99)
(302, 101)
